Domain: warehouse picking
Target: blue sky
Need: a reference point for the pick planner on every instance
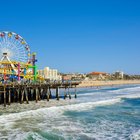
(78, 35)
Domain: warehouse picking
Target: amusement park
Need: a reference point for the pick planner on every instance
(17, 63)
(19, 79)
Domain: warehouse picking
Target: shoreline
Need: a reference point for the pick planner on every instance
(91, 83)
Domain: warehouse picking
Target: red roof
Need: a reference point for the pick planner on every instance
(98, 73)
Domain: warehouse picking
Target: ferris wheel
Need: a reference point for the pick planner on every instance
(14, 46)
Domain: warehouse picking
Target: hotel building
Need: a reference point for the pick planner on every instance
(50, 74)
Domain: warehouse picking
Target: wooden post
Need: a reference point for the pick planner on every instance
(48, 94)
(39, 92)
(69, 93)
(4, 95)
(36, 92)
(29, 93)
(32, 94)
(18, 91)
(26, 94)
(65, 94)
(22, 96)
(9, 98)
(14, 90)
(75, 92)
(57, 93)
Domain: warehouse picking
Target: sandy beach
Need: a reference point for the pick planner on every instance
(90, 83)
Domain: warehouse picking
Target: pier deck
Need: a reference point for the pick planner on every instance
(19, 93)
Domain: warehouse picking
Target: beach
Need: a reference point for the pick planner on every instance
(91, 83)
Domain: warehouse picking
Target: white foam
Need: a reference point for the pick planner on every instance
(88, 105)
(25, 135)
(135, 135)
(54, 111)
(125, 89)
(130, 96)
(8, 120)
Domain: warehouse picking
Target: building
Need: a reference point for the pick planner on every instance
(119, 75)
(67, 77)
(50, 74)
(98, 75)
(73, 76)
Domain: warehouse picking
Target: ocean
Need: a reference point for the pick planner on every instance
(105, 113)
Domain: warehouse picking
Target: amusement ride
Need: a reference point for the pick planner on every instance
(16, 60)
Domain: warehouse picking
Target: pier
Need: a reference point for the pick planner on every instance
(20, 80)
(20, 93)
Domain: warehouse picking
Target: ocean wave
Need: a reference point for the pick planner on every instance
(130, 96)
(135, 135)
(125, 89)
(56, 110)
(96, 96)
(53, 118)
(53, 111)
(87, 94)
(50, 120)
(19, 124)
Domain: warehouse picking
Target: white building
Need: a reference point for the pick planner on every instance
(51, 74)
(119, 74)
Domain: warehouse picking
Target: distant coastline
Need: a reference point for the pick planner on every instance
(92, 83)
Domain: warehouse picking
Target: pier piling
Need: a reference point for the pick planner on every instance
(32, 94)
(16, 92)
(65, 94)
(4, 95)
(9, 96)
(26, 94)
(57, 93)
(39, 94)
(69, 92)
(75, 92)
(22, 96)
(48, 94)
(36, 95)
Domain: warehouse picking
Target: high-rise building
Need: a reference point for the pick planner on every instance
(51, 74)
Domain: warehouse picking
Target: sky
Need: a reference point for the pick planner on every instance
(78, 35)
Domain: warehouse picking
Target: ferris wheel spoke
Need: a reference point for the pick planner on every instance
(10, 44)
(15, 47)
(2, 40)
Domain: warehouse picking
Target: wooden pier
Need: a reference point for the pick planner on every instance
(20, 93)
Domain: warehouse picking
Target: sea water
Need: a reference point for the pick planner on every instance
(106, 113)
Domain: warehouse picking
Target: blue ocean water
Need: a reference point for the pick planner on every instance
(106, 113)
